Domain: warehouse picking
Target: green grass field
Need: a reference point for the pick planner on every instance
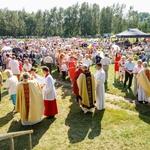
(121, 126)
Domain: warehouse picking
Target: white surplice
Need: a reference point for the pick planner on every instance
(142, 94)
(100, 89)
(49, 92)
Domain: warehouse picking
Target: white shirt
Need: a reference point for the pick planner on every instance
(14, 66)
(43, 49)
(86, 61)
(123, 52)
(129, 65)
(137, 69)
(27, 67)
(48, 59)
(64, 67)
(93, 55)
(11, 84)
(105, 61)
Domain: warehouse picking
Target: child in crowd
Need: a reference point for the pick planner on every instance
(121, 64)
(64, 69)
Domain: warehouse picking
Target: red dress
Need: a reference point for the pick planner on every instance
(71, 68)
(116, 63)
(20, 66)
(75, 86)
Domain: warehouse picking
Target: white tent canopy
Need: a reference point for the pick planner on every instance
(6, 48)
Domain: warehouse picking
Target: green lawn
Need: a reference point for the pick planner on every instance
(122, 126)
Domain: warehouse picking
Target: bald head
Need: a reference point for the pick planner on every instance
(145, 65)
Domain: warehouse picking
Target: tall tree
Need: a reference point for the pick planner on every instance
(118, 17)
(30, 24)
(102, 21)
(143, 16)
(11, 23)
(144, 26)
(39, 23)
(95, 19)
(21, 22)
(54, 21)
(85, 19)
(132, 18)
(60, 17)
(2, 23)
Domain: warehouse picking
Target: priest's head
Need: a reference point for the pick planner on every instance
(25, 76)
(85, 67)
(145, 64)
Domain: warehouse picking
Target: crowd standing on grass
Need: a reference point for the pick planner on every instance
(73, 58)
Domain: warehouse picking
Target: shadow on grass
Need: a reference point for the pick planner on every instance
(22, 142)
(106, 87)
(4, 80)
(4, 93)
(65, 87)
(128, 92)
(83, 125)
(55, 73)
(5, 119)
(144, 112)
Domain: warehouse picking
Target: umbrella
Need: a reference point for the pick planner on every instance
(15, 50)
(116, 47)
(6, 48)
(84, 44)
(90, 47)
(21, 42)
(95, 44)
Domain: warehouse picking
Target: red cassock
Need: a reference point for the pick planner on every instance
(75, 86)
(116, 63)
(50, 108)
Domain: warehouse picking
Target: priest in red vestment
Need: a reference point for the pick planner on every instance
(78, 71)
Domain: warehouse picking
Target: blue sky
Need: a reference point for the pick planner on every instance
(34, 5)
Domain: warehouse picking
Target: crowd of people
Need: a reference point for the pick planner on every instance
(30, 92)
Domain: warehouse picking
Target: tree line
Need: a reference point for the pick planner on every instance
(84, 19)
